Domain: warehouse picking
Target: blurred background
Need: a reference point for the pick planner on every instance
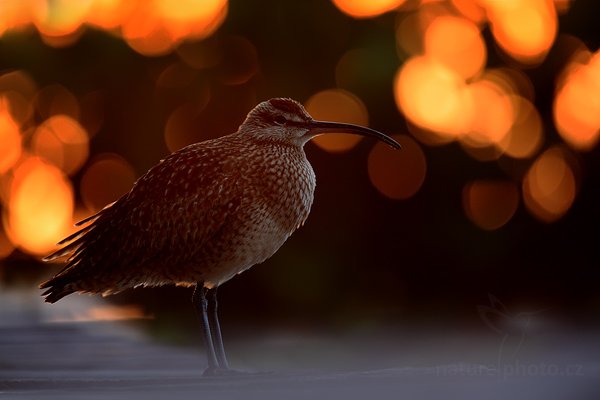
(493, 201)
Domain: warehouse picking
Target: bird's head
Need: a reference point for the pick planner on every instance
(286, 120)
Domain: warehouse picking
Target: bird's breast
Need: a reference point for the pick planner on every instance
(276, 193)
(285, 187)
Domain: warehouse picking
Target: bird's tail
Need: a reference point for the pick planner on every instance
(76, 239)
(57, 287)
(62, 284)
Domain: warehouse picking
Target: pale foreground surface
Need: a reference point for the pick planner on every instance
(110, 360)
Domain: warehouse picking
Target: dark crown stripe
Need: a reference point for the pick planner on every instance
(287, 105)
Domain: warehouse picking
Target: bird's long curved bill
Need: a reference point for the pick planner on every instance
(321, 127)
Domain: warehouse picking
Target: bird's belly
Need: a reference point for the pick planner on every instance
(255, 235)
(253, 245)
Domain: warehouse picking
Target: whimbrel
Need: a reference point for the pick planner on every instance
(202, 215)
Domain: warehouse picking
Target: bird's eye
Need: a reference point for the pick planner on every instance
(280, 120)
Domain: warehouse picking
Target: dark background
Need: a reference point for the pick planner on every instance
(361, 259)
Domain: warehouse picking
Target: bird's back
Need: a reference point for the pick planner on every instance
(203, 214)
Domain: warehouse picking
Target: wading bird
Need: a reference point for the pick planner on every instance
(202, 215)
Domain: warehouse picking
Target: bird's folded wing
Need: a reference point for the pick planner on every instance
(173, 209)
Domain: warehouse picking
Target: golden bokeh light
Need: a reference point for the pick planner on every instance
(490, 204)
(145, 33)
(5, 183)
(428, 137)
(525, 29)
(433, 96)
(577, 104)
(511, 81)
(62, 40)
(411, 27)
(17, 90)
(18, 81)
(409, 38)
(366, 9)
(397, 174)
(14, 15)
(109, 14)
(56, 99)
(194, 18)
(59, 17)
(341, 106)
(156, 28)
(445, 93)
(493, 114)
(40, 207)
(549, 187)
(430, 10)
(151, 28)
(456, 43)
(470, 9)
(107, 178)
(525, 136)
(480, 153)
(10, 138)
(6, 246)
(20, 108)
(562, 6)
(62, 141)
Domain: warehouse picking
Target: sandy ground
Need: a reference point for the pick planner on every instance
(49, 357)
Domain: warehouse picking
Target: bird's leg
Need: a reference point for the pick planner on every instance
(201, 306)
(213, 318)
